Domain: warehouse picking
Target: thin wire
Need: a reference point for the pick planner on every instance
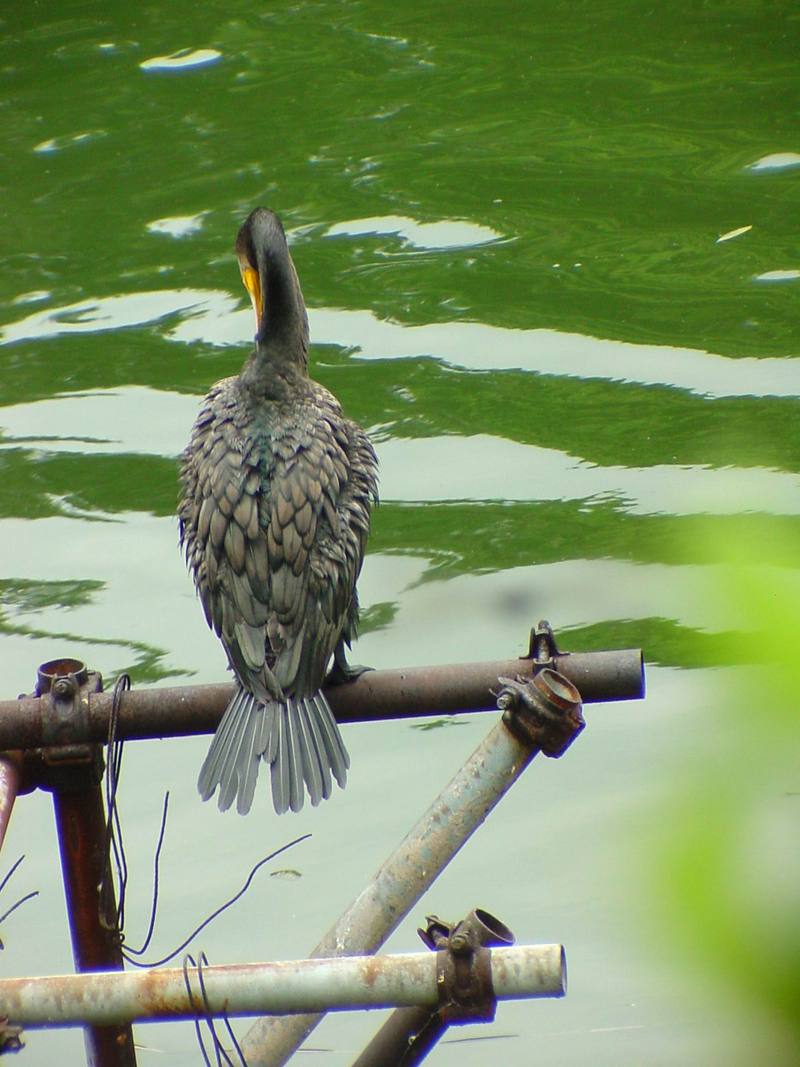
(114, 845)
(113, 842)
(28, 896)
(222, 907)
(232, 1036)
(208, 1015)
(156, 862)
(7, 878)
(22, 900)
(187, 959)
(128, 952)
(220, 1051)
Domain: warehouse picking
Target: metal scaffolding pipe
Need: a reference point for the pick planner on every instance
(10, 779)
(95, 941)
(409, 1034)
(81, 829)
(347, 983)
(450, 821)
(414, 691)
(73, 774)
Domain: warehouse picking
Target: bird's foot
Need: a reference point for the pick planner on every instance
(343, 672)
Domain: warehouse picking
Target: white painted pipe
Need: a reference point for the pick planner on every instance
(313, 985)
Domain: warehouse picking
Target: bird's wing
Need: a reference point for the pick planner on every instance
(355, 503)
(318, 525)
(222, 476)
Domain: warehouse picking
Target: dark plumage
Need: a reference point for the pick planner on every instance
(274, 514)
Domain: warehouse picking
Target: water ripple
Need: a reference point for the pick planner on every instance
(177, 225)
(215, 317)
(448, 468)
(70, 140)
(446, 233)
(777, 276)
(776, 161)
(114, 312)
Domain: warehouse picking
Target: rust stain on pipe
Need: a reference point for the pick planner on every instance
(10, 777)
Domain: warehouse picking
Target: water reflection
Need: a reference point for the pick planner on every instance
(776, 161)
(216, 318)
(58, 144)
(177, 225)
(778, 276)
(63, 597)
(447, 233)
(184, 60)
(114, 312)
(476, 467)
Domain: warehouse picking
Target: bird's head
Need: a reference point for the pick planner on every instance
(270, 278)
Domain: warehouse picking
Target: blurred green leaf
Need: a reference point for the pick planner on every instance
(727, 865)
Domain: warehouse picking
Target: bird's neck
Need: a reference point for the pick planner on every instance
(283, 322)
(275, 370)
(279, 362)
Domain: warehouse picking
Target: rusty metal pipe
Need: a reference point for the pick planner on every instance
(406, 1038)
(81, 831)
(10, 779)
(414, 691)
(73, 774)
(445, 827)
(343, 984)
(95, 943)
(409, 1034)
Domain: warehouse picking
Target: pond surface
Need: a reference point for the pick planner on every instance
(551, 258)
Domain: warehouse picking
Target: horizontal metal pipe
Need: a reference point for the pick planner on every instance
(343, 984)
(413, 691)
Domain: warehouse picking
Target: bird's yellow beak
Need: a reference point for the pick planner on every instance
(253, 285)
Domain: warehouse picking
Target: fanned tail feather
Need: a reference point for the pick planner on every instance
(338, 759)
(298, 737)
(312, 769)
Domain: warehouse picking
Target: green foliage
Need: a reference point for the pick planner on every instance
(728, 861)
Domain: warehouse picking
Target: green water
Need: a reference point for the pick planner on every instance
(507, 220)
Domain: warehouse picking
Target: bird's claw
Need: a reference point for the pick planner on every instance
(343, 672)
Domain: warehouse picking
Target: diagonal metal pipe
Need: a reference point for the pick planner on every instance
(446, 826)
